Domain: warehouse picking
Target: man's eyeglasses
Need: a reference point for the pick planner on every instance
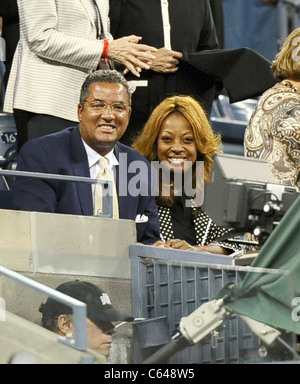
(101, 106)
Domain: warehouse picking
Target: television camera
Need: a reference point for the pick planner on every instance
(244, 195)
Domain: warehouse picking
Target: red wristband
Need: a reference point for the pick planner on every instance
(105, 49)
(203, 248)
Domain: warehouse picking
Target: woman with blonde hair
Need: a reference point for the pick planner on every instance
(273, 131)
(180, 143)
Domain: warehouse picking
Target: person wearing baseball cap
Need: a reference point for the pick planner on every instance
(57, 317)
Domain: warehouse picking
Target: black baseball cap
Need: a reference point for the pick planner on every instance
(99, 307)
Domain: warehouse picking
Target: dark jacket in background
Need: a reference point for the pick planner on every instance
(192, 30)
(10, 31)
(218, 15)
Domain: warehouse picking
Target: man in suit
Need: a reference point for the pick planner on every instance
(61, 42)
(103, 113)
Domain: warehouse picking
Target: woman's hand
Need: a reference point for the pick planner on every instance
(183, 245)
(160, 243)
(131, 54)
(213, 248)
(179, 244)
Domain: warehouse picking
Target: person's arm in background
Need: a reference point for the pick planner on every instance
(134, 56)
(48, 42)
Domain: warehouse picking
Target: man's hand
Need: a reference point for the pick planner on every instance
(131, 54)
(166, 61)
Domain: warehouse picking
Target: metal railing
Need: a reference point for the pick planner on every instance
(107, 197)
(79, 308)
(173, 284)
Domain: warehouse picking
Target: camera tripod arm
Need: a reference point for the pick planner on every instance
(265, 332)
(192, 329)
(204, 320)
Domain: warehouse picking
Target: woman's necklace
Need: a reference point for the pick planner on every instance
(287, 83)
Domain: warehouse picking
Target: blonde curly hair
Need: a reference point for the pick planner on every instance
(208, 143)
(287, 61)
